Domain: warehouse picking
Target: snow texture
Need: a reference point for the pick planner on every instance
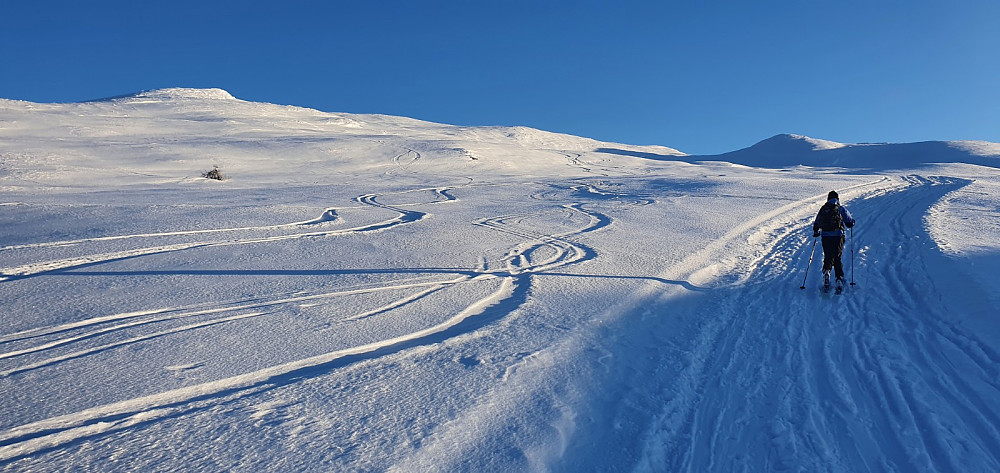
(377, 293)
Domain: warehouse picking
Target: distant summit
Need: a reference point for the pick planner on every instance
(183, 93)
(179, 107)
(173, 93)
(792, 150)
(786, 143)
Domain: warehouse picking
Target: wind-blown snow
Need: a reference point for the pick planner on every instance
(367, 292)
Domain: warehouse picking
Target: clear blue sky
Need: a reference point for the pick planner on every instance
(703, 77)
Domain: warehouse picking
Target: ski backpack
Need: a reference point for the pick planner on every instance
(829, 217)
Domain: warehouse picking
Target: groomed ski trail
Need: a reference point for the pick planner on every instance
(778, 379)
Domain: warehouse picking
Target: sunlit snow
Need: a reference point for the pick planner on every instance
(367, 293)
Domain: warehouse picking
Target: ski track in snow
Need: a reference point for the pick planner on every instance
(841, 381)
(538, 252)
(404, 216)
(693, 352)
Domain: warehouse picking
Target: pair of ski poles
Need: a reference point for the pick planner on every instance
(813, 252)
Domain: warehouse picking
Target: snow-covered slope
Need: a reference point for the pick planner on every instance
(369, 293)
(173, 134)
(792, 150)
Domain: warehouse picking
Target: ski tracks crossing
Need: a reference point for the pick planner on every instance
(877, 379)
(44, 347)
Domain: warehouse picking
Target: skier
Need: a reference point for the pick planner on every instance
(830, 223)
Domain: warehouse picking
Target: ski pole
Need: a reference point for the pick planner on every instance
(811, 254)
(852, 256)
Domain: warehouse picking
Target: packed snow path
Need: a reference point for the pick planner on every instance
(774, 378)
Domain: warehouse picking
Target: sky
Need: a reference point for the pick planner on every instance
(703, 77)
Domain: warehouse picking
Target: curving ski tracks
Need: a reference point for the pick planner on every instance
(404, 216)
(46, 347)
(861, 382)
(874, 380)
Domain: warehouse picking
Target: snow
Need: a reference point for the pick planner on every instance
(367, 292)
(791, 150)
(173, 94)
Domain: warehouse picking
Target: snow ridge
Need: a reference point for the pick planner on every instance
(797, 150)
(790, 143)
(181, 93)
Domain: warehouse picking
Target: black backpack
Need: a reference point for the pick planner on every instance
(829, 217)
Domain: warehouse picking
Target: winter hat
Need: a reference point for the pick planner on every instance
(832, 195)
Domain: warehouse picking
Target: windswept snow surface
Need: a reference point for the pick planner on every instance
(368, 293)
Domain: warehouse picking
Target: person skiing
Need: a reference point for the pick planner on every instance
(830, 222)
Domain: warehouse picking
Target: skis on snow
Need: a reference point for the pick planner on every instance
(837, 290)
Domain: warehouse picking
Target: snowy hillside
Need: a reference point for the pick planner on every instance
(792, 150)
(371, 293)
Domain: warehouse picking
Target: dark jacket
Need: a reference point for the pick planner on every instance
(845, 215)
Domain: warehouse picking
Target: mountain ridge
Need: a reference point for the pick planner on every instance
(782, 150)
(785, 150)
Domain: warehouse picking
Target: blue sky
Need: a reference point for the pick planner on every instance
(704, 77)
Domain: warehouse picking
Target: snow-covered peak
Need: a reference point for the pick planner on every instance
(789, 143)
(185, 93)
(793, 150)
(176, 93)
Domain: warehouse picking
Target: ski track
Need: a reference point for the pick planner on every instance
(403, 161)
(537, 252)
(840, 382)
(855, 382)
(404, 217)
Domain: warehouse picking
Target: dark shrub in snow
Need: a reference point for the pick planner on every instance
(215, 173)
